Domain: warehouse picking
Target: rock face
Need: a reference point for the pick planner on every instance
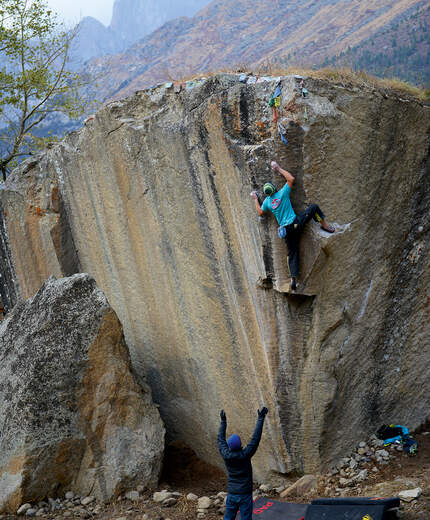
(156, 203)
(72, 415)
(9, 288)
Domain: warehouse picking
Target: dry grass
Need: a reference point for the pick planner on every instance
(348, 76)
(207, 74)
(364, 80)
(344, 76)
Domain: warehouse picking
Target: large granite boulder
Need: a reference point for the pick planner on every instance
(72, 415)
(151, 198)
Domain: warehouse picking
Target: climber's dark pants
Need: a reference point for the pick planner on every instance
(294, 230)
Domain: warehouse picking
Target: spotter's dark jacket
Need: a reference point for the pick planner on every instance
(238, 462)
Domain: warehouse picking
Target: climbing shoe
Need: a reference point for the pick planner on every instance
(293, 284)
(329, 230)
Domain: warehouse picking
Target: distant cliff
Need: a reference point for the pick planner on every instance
(131, 20)
(93, 39)
(152, 199)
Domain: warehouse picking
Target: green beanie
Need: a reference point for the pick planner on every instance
(269, 189)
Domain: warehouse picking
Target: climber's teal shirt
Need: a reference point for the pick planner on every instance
(280, 205)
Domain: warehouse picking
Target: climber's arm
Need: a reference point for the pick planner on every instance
(257, 204)
(288, 176)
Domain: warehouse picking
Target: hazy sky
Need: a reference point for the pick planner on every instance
(74, 10)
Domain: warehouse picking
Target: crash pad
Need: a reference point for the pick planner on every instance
(388, 503)
(349, 508)
(353, 512)
(352, 508)
(267, 509)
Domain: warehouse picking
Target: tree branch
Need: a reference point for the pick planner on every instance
(50, 92)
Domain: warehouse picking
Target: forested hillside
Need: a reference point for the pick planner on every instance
(401, 50)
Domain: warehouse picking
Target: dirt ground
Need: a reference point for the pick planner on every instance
(412, 470)
(185, 473)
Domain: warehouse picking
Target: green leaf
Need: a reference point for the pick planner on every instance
(35, 81)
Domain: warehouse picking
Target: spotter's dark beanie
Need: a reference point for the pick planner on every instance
(234, 442)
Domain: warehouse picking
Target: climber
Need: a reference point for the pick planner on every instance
(238, 463)
(291, 225)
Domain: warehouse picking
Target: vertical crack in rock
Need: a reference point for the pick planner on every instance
(292, 157)
(64, 244)
(9, 289)
(293, 321)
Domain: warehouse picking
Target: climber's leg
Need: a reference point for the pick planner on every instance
(292, 241)
(314, 211)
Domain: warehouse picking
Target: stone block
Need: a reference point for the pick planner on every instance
(82, 419)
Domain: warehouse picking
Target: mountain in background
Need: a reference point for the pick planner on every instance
(383, 37)
(401, 50)
(232, 33)
(93, 39)
(131, 20)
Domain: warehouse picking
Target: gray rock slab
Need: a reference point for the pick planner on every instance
(70, 404)
(408, 495)
(132, 495)
(23, 509)
(160, 496)
(204, 503)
